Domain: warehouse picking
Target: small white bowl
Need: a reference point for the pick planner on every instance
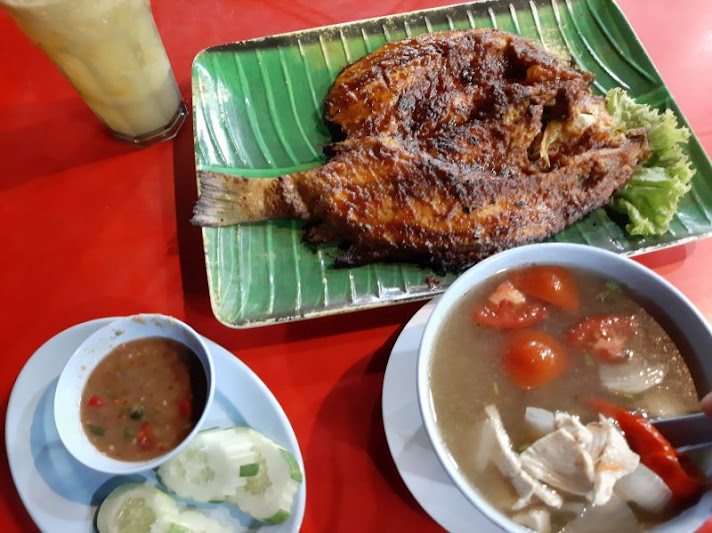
(680, 319)
(91, 352)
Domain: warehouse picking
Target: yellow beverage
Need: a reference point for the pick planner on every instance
(112, 53)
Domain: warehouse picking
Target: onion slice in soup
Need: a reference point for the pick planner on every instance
(536, 518)
(632, 377)
(540, 421)
(485, 445)
(614, 515)
(644, 488)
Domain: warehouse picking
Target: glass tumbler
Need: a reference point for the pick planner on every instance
(112, 53)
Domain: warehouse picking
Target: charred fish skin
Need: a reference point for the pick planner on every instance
(433, 213)
(457, 145)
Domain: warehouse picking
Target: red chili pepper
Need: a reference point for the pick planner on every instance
(185, 408)
(144, 439)
(675, 469)
(605, 408)
(95, 401)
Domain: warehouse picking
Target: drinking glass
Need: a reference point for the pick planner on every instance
(112, 53)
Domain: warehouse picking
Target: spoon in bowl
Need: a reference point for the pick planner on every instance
(686, 431)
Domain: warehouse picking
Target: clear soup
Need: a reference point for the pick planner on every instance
(468, 373)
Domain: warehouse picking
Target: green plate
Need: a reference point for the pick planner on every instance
(258, 113)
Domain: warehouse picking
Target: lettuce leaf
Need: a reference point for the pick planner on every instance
(650, 198)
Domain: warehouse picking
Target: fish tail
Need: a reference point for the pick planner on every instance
(227, 200)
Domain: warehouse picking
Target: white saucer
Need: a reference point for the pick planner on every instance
(61, 494)
(409, 444)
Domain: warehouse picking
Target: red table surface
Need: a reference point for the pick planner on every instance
(94, 228)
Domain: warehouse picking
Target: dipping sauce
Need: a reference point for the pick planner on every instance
(143, 399)
(477, 362)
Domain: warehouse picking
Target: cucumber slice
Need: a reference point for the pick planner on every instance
(268, 496)
(136, 508)
(211, 467)
(192, 521)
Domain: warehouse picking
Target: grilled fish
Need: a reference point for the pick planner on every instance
(456, 145)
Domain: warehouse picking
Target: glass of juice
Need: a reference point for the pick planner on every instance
(112, 53)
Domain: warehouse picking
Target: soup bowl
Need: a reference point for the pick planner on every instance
(93, 351)
(670, 308)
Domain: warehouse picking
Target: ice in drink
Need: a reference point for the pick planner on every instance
(112, 53)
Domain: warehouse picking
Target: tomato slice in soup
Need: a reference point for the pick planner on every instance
(508, 308)
(551, 284)
(606, 336)
(533, 358)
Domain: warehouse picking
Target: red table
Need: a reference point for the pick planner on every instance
(94, 228)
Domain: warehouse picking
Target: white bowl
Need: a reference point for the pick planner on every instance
(91, 352)
(682, 321)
